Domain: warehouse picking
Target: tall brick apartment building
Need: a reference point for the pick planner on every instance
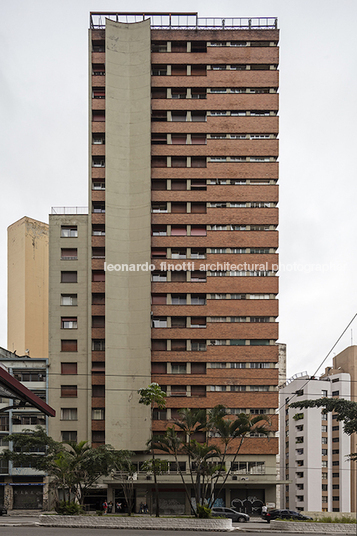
(183, 178)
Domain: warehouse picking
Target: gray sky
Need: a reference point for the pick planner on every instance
(43, 114)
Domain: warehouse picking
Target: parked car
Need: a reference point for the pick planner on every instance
(3, 511)
(230, 513)
(284, 514)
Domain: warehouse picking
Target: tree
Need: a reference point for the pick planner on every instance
(231, 430)
(127, 472)
(154, 397)
(345, 410)
(207, 462)
(73, 467)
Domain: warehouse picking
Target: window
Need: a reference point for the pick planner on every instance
(68, 368)
(324, 452)
(324, 476)
(98, 345)
(262, 388)
(324, 440)
(68, 322)
(158, 345)
(68, 277)
(177, 115)
(335, 463)
(159, 70)
(68, 391)
(324, 499)
(69, 345)
(178, 322)
(198, 299)
(159, 322)
(98, 253)
(178, 299)
(198, 116)
(324, 463)
(238, 388)
(98, 414)
(98, 276)
(323, 429)
(335, 393)
(158, 368)
(98, 391)
(69, 254)
(68, 414)
(324, 393)
(218, 388)
(69, 231)
(98, 115)
(178, 345)
(335, 440)
(69, 436)
(198, 346)
(198, 368)
(198, 391)
(68, 299)
(178, 230)
(98, 321)
(98, 437)
(198, 230)
(336, 451)
(178, 368)
(238, 365)
(178, 390)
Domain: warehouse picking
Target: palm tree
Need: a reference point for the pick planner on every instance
(229, 430)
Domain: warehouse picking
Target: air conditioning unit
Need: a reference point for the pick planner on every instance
(234, 477)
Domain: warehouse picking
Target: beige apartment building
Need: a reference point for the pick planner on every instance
(27, 306)
(183, 128)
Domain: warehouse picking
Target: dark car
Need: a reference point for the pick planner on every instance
(229, 513)
(284, 514)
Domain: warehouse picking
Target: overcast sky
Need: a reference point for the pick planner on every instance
(43, 118)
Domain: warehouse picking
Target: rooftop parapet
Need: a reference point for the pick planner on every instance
(189, 20)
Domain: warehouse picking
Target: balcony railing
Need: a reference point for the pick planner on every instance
(177, 21)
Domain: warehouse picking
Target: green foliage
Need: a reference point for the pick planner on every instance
(345, 410)
(339, 519)
(207, 461)
(203, 512)
(66, 508)
(99, 512)
(157, 466)
(298, 416)
(72, 467)
(152, 395)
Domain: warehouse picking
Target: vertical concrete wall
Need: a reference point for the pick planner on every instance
(127, 241)
(28, 288)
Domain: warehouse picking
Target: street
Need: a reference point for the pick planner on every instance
(8, 528)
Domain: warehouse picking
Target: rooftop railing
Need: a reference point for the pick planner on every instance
(178, 21)
(69, 210)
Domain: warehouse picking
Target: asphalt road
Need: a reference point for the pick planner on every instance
(25, 526)
(47, 531)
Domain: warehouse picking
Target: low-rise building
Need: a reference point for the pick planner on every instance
(22, 487)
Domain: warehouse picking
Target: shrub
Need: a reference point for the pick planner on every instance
(99, 512)
(203, 512)
(69, 509)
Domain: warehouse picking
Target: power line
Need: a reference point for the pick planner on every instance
(323, 361)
